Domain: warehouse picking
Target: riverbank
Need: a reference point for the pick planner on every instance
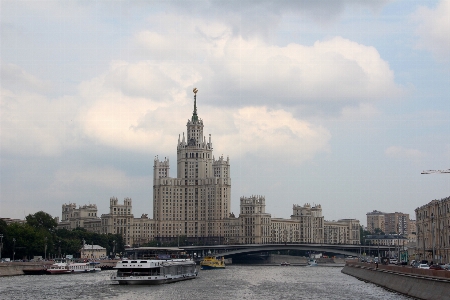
(16, 268)
(417, 283)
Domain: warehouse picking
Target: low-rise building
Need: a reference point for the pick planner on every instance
(92, 252)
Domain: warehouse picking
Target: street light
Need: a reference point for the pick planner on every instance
(1, 245)
(14, 248)
(45, 249)
(432, 234)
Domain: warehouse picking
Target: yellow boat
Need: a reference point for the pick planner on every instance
(212, 262)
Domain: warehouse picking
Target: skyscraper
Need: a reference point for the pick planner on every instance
(194, 203)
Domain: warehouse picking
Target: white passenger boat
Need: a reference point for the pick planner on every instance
(87, 267)
(154, 271)
(64, 267)
(57, 269)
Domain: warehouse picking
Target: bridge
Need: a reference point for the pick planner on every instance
(232, 250)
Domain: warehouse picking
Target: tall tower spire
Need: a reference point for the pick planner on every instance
(194, 115)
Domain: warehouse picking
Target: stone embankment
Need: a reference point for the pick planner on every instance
(16, 268)
(417, 283)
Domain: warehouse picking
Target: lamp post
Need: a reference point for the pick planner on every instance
(432, 234)
(1, 245)
(45, 249)
(14, 248)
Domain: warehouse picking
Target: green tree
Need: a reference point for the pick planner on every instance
(378, 231)
(41, 220)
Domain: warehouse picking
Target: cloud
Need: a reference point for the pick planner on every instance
(260, 18)
(14, 78)
(363, 111)
(33, 125)
(270, 133)
(401, 153)
(234, 70)
(434, 29)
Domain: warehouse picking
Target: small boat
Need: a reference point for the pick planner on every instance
(58, 268)
(154, 271)
(85, 267)
(212, 262)
(285, 263)
(312, 262)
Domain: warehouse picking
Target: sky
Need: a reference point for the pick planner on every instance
(340, 103)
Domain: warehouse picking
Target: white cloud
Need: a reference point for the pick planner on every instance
(335, 70)
(14, 78)
(400, 152)
(364, 111)
(434, 29)
(33, 125)
(271, 134)
(71, 178)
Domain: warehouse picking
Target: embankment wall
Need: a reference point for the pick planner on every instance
(421, 286)
(15, 268)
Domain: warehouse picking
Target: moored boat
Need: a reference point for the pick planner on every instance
(39, 271)
(312, 263)
(85, 267)
(154, 271)
(211, 262)
(57, 269)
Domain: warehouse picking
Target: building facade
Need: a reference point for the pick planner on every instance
(397, 223)
(196, 202)
(120, 220)
(433, 231)
(92, 252)
(196, 205)
(375, 219)
(80, 217)
(344, 231)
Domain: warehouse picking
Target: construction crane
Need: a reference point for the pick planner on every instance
(435, 171)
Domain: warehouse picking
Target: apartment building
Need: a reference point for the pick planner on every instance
(433, 231)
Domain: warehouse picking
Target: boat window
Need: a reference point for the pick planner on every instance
(133, 261)
(124, 261)
(143, 261)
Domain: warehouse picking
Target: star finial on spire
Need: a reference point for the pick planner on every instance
(194, 115)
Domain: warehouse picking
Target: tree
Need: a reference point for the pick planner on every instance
(362, 235)
(41, 220)
(378, 231)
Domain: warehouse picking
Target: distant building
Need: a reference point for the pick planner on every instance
(120, 220)
(433, 231)
(345, 231)
(397, 223)
(375, 219)
(386, 240)
(83, 217)
(10, 221)
(92, 252)
(196, 201)
(196, 205)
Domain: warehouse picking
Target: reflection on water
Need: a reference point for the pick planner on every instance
(235, 282)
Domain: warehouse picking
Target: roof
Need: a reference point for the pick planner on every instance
(92, 247)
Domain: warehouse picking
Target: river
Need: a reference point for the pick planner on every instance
(235, 282)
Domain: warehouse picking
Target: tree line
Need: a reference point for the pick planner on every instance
(39, 236)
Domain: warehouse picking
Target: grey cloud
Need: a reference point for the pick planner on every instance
(14, 78)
